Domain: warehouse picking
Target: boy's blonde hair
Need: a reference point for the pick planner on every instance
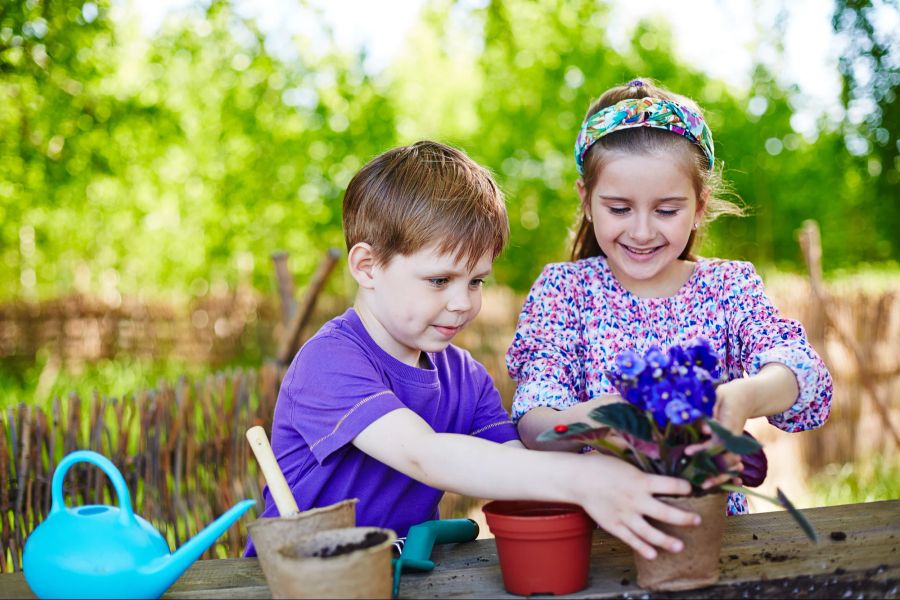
(650, 140)
(413, 196)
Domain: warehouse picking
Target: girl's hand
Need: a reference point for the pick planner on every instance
(734, 404)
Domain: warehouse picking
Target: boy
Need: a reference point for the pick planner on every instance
(379, 406)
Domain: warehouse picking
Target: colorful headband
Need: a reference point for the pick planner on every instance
(644, 112)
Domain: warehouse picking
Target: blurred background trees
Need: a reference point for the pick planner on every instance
(148, 174)
(167, 163)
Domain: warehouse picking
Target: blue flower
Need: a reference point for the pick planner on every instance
(707, 400)
(680, 412)
(675, 387)
(657, 361)
(679, 360)
(636, 396)
(694, 392)
(661, 395)
(630, 364)
(702, 355)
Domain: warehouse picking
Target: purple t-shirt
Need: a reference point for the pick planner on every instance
(338, 384)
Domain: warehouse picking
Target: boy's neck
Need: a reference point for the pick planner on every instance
(380, 335)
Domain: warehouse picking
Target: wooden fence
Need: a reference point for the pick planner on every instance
(182, 451)
(76, 329)
(180, 448)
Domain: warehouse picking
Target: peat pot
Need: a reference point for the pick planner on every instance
(544, 548)
(697, 565)
(351, 562)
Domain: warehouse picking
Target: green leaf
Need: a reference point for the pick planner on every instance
(739, 444)
(624, 417)
(574, 431)
(782, 501)
(700, 468)
(805, 525)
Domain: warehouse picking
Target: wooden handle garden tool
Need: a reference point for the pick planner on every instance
(278, 486)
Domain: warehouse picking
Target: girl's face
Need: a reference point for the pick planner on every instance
(643, 209)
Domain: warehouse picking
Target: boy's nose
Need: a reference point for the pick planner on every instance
(460, 301)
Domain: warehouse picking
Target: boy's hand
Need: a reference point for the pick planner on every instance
(622, 509)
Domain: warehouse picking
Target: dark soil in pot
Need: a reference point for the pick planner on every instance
(373, 538)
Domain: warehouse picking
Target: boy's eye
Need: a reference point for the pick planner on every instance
(476, 283)
(438, 281)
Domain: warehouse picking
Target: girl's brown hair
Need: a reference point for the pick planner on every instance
(647, 140)
(413, 196)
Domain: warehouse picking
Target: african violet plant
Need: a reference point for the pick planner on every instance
(669, 396)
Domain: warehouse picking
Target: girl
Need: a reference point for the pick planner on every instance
(648, 182)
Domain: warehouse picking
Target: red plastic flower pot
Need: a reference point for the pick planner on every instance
(544, 548)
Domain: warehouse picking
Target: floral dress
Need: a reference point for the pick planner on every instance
(578, 317)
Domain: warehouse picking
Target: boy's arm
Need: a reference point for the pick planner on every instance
(615, 494)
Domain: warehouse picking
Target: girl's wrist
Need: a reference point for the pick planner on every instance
(775, 391)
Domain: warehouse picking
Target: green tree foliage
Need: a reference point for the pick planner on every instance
(870, 73)
(170, 162)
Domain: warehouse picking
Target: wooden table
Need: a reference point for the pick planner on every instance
(763, 555)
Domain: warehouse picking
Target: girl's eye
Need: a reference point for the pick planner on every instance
(667, 212)
(438, 282)
(618, 210)
(476, 283)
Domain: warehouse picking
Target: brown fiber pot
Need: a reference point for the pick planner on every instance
(697, 565)
(270, 533)
(300, 571)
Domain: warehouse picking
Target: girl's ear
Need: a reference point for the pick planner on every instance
(702, 203)
(361, 261)
(585, 201)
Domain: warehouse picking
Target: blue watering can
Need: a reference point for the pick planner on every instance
(98, 551)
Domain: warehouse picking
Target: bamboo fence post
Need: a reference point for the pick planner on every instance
(285, 287)
(810, 244)
(290, 343)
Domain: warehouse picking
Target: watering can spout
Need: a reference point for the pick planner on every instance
(173, 565)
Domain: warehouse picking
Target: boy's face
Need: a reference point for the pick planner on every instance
(418, 303)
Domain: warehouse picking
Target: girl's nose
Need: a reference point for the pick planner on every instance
(641, 229)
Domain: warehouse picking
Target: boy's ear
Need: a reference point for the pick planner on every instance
(361, 261)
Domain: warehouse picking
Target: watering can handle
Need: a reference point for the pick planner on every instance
(278, 486)
(58, 503)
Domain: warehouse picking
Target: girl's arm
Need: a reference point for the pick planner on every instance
(764, 337)
(772, 391)
(542, 418)
(616, 495)
(546, 355)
